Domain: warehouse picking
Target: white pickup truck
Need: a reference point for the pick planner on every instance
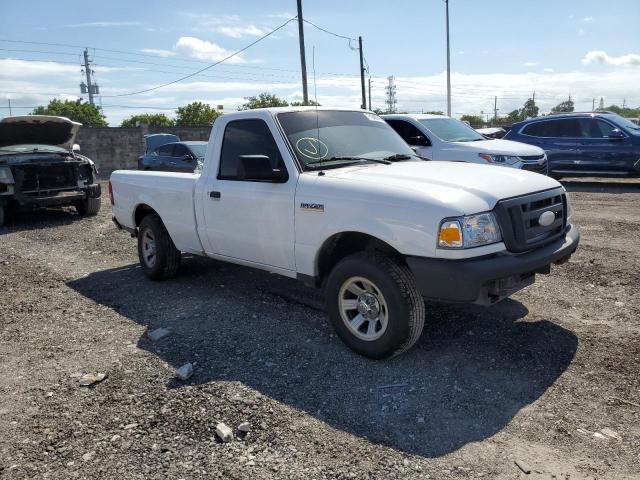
(338, 200)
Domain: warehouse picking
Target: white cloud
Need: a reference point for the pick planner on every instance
(587, 19)
(600, 56)
(204, 50)
(159, 52)
(104, 24)
(241, 31)
(548, 70)
(530, 64)
(35, 68)
(282, 15)
(581, 32)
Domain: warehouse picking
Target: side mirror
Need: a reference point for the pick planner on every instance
(419, 141)
(75, 148)
(257, 168)
(616, 134)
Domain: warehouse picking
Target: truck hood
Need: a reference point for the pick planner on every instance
(38, 129)
(500, 147)
(465, 187)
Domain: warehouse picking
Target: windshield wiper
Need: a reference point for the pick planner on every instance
(399, 156)
(352, 159)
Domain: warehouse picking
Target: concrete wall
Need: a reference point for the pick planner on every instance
(115, 148)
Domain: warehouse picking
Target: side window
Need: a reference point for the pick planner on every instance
(165, 150)
(604, 128)
(180, 150)
(408, 132)
(247, 137)
(568, 128)
(537, 129)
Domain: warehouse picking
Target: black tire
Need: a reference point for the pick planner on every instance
(88, 207)
(3, 212)
(167, 257)
(404, 305)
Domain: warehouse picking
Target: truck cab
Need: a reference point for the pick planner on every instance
(336, 199)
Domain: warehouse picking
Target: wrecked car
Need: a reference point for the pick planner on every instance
(40, 166)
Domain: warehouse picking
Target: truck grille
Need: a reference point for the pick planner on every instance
(519, 219)
(38, 178)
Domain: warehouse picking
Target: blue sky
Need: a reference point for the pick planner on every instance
(509, 49)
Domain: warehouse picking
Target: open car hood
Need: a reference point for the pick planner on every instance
(38, 129)
(155, 140)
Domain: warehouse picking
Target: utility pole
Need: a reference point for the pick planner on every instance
(9, 100)
(364, 96)
(303, 61)
(593, 104)
(87, 71)
(370, 107)
(448, 64)
(495, 108)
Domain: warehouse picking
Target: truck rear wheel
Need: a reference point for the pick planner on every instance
(374, 305)
(159, 257)
(88, 207)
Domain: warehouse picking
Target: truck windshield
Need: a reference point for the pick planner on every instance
(329, 138)
(451, 130)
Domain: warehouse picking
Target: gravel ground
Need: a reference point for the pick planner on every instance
(549, 379)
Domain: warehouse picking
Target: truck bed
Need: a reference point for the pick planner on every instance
(170, 194)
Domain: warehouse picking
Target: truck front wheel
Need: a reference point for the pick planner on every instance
(159, 257)
(374, 305)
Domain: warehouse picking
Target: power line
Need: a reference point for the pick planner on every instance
(237, 52)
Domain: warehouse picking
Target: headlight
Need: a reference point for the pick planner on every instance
(470, 231)
(499, 159)
(5, 175)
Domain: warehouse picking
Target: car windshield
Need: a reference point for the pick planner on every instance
(31, 148)
(627, 124)
(329, 138)
(198, 150)
(451, 130)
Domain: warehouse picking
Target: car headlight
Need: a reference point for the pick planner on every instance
(469, 231)
(6, 175)
(499, 159)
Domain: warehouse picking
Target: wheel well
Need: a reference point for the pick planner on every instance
(340, 245)
(142, 211)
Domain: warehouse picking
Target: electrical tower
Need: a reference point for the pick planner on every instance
(91, 87)
(391, 96)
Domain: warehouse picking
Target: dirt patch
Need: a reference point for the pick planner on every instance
(536, 378)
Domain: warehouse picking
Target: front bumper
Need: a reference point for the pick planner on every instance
(487, 280)
(52, 197)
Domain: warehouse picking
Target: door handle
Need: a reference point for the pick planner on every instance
(215, 194)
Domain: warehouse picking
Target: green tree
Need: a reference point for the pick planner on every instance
(475, 121)
(311, 103)
(151, 119)
(624, 111)
(262, 101)
(196, 114)
(566, 106)
(529, 109)
(76, 110)
(435, 112)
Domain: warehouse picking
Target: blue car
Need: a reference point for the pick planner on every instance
(583, 144)
(165, 152)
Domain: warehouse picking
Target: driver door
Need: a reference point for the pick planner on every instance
(248, 220)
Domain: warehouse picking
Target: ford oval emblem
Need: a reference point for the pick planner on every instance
(546, 218)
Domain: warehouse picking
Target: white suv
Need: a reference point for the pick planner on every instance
(438, 137)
